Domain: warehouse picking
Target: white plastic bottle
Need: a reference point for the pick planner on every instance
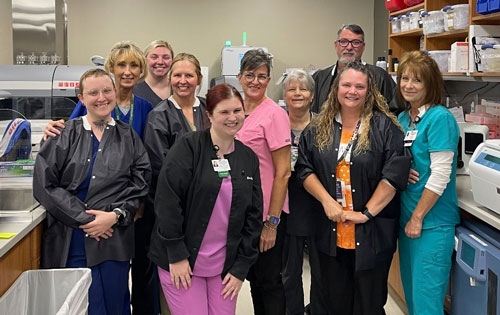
(381, 63)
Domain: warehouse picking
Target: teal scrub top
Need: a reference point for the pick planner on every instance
(437, 131)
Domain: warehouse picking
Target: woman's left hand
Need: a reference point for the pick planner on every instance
(267, 239)
(413, 227)
(233, 286)
(355, 217)
(101, 225)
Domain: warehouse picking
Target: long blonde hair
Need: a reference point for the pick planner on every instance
(373, 101)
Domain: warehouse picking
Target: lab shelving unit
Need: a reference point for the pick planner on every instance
(403, 42)
(406, 41)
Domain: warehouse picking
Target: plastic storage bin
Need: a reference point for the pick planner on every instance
(493, 6)
(394, 5)
(413, 18)
(411, 3)
(490, 57)
(456, 17)
(395, 25)
(482, 6)
(48, 291)
(405, 22)
(433, 22)
(441, 57)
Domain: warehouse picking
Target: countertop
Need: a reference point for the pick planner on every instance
(19, 211)
(19, 226)
(466, 202)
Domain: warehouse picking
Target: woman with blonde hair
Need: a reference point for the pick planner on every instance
(351, 160)
(156, 86)
(128, 65)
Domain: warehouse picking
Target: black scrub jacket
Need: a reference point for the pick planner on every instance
(121, 176)
(187, 190)
(375, 239)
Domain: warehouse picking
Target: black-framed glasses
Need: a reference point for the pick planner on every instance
(250, 76)
(355, 42)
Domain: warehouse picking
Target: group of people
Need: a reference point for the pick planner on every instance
(201, 193)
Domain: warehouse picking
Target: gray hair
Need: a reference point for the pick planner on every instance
(300, 76)
(356, 29)
(254, 59)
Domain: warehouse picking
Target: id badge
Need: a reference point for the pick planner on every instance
(410, 136)
(293, 156)
(340, 192)
(222, 167)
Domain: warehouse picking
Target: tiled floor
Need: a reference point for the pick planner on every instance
(244, 306)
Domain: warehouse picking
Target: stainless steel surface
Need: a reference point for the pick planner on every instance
(39, 26)
(39, 91)
(16, 196)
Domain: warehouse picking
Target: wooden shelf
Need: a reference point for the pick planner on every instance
(411, 33)
(485, 74)
(410, 9)
(492, 18)
(403, 42)
(453, 74)
(459, 34)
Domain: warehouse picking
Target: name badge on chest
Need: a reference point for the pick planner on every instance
(222, 167)
(410, 136)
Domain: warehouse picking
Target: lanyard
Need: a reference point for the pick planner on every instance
(349, 145)
(117, 111)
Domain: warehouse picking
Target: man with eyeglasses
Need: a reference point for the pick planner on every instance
(350, 46)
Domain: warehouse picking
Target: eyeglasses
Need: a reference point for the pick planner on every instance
(250, 76)
(344, 42)
(95, 93)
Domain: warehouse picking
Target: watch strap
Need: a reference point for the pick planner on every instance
(367, 214)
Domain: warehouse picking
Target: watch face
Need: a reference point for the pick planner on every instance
(274, 220)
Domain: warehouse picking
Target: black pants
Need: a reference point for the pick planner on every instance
(293, 257)
(145, 283)
(351, 292)
(266, 286)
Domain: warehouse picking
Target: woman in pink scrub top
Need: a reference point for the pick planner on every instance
(208, 207)
(267, 132)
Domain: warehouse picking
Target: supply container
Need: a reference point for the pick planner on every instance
(381, 63)
(493, 6)
(456, 17)
(441, 57)
(395, 5)
(411, 3)
(405, 22)
(48, 291)
(395, 24)
(485, 119)
(413, 18)
(490, 57)
(433, 22)
(482, 6)
(459, 57)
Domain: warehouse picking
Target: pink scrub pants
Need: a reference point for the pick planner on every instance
(202, 298)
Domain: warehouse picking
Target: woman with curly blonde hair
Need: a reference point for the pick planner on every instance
(351, 159)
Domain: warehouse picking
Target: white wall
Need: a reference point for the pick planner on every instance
(298, 33)
(5, 32)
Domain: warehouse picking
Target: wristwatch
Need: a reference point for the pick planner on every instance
(120, 215)
(367, 214)
(273, 219)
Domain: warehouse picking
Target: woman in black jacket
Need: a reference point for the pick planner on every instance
(209, 212)
(91, 196)
(351, 160)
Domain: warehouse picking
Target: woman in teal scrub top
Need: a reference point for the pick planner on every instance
(429, 208)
